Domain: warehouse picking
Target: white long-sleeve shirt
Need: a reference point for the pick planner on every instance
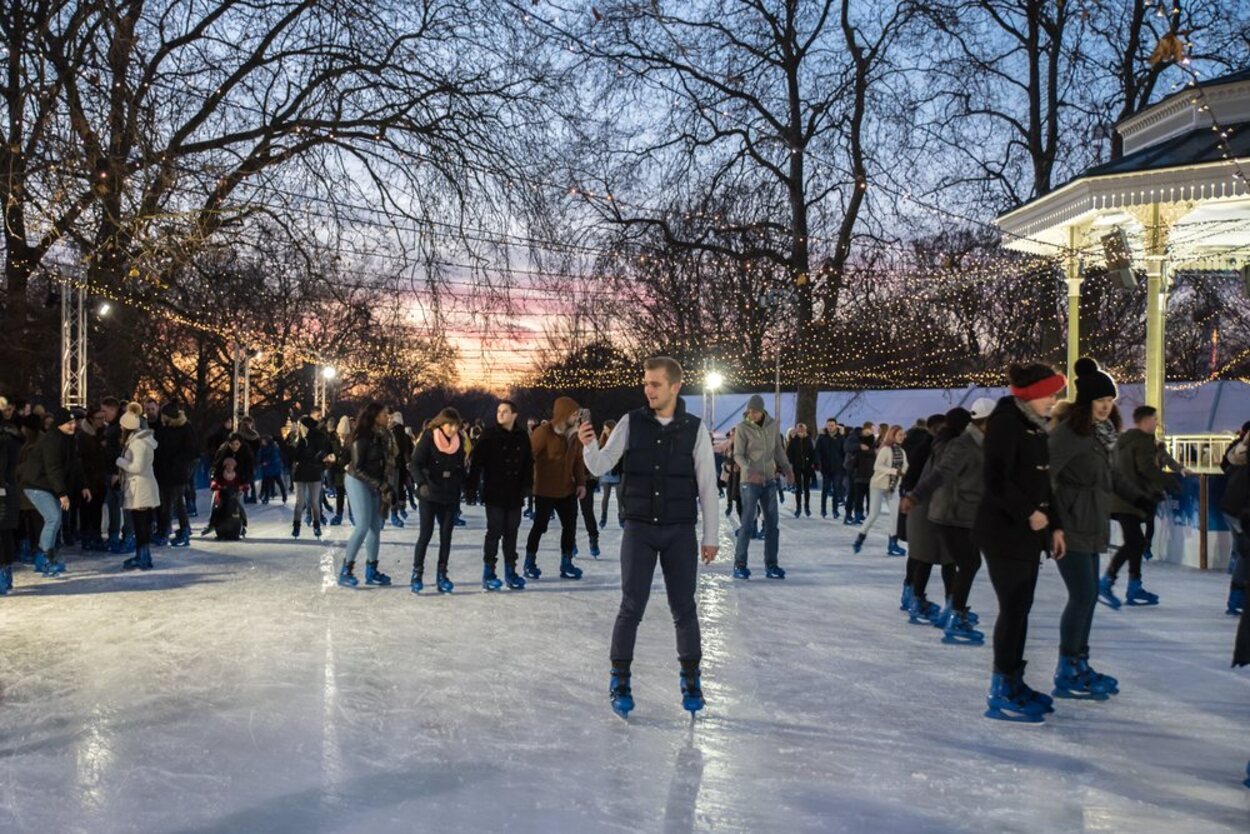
(599, 461)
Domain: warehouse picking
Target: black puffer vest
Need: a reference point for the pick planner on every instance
(658, 483)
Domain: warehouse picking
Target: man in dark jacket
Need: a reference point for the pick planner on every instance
(830, 457)
(1137, 458)
(50, 473)
(176, 453)
(502, 471)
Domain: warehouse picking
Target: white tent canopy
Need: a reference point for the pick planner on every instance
(1211, 407)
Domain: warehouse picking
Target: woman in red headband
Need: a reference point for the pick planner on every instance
(1014, 524)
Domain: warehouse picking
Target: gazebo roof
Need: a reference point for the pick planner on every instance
(1195, 147)
(1172, 156)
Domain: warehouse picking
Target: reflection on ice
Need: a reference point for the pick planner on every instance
(238, 688)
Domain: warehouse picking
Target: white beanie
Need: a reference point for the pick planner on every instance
(130, 421)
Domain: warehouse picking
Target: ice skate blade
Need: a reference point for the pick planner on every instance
(1069, 695)
(951, 640)
(1013, 717)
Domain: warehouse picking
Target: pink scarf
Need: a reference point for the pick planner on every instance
(447, 447)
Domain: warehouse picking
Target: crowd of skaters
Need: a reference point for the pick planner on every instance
(1005, 482)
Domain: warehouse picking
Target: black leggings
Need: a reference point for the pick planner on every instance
(1080, 575)
(1014, 578)
(802, 491)
(959, 548)
(588, 514)
(7, 548)
(918, 574)
(445, 514)
(142, 520)
(1132, 549)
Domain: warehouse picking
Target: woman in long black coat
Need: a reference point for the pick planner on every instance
(1014, 524)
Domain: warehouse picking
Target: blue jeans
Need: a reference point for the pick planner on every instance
(49, 506)
(764, 497)
(366, 506)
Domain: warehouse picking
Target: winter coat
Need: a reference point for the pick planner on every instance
(1083, 479)
(309, 447)
(97, 467)
(139, 487)
(865, 461)
(404, 447)
(439, 475)
(922, 540)
(850, 449)
(113, 440)
(1137, 458)
(244, 460)
(830, 456)
(10, 450)
(558, 466)
(1236, 498)
(957, 480)
(177, 451)
(885, 474)
(251, 439)
(917, 446)
(759, 450)
(801, 453)
(52, 465)
(502, 467)
(371, 461)
(270, 462)
(1017, 483)
(339, 468)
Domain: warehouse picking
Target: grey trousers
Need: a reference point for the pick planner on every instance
(676, 547)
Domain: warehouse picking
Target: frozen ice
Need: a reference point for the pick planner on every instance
(238, 688)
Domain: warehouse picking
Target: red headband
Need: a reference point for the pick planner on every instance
(1042, 388)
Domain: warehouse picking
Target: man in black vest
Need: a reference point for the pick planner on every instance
(668, 476)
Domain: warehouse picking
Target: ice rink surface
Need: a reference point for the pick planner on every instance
(238, 688)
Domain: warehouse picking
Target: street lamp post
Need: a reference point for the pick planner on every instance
(714, 381)
(241, 405)
(324, 374)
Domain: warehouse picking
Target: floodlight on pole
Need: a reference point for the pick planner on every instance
(104, 309)
(713, 382)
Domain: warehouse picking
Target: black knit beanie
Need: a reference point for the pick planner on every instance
(1092, 382)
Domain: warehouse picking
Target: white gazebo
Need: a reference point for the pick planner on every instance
(1178, 194)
